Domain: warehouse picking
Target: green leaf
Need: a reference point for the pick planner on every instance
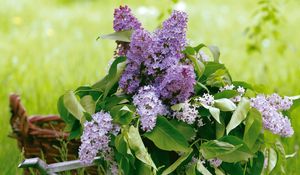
(143, 169)
(179, 161)
(218, 171)
(215, 112)
(198, 47)
(122, 114)
(239, 114)
(122, 145)
(64, 113)
(189, 50)
(219, 78)
(177, 107)
(258, 164)
(220, 128)
(73, 106)
(88, 104)
(242, 153)
(137, 146)
(225, 104)
(215, 148)
(198, 65)
(272, 160)
(253, 127)
(232, 168)
(76, 130)
(114, 73)
(243, 84)
(199, 86)
(124, 36)
(227, 148)
(226, 94)
(191, 169)
(166, 137)
(211, 67)
(201, 168)
(115, 100)
(185, 129)
(215, 51)
(281, 160)
(296, 105)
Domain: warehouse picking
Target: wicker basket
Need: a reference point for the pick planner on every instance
(39, 136)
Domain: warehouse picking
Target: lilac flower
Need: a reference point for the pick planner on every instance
(114, 168)
(188, 113)
(280, 103)
(148, 107)
(206, 99)
(140, 50)
(203, 57)
(124, 19)
(178, 84)
(130, 79)
(227, 87)
(115, 129)
(141, 46)
(215, 162)
(95, 137)
(200, 122)
(170, 40)
(273, 119)
(240, 90)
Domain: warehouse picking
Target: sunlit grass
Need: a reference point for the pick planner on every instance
(48, 47)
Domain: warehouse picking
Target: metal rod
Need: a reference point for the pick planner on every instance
(52, 169)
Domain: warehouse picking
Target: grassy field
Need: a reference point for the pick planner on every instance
(49, 46)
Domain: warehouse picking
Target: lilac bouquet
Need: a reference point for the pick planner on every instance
(166, 107)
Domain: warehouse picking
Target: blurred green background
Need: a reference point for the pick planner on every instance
(49, 46)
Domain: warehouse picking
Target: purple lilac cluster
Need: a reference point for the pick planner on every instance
(157, 55)
(140, 50)
(178, 83)
(187, 114)
(169, 43)
(95, 137)
(149, 106)
(270, 107)
(215, 162)
(124, 20)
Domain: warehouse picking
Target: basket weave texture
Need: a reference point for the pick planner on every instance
(40, 135)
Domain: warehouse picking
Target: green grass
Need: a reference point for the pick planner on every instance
(48, 47)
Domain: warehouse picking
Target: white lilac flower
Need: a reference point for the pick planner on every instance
(206, 99)
(227, 87)
(115, 129)
(273, 119)
(95, 137)
(188, 113)
(240, 90)
(203, 56)
(149, 106)
(200, 122)
(215, 162)
(114, 168)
